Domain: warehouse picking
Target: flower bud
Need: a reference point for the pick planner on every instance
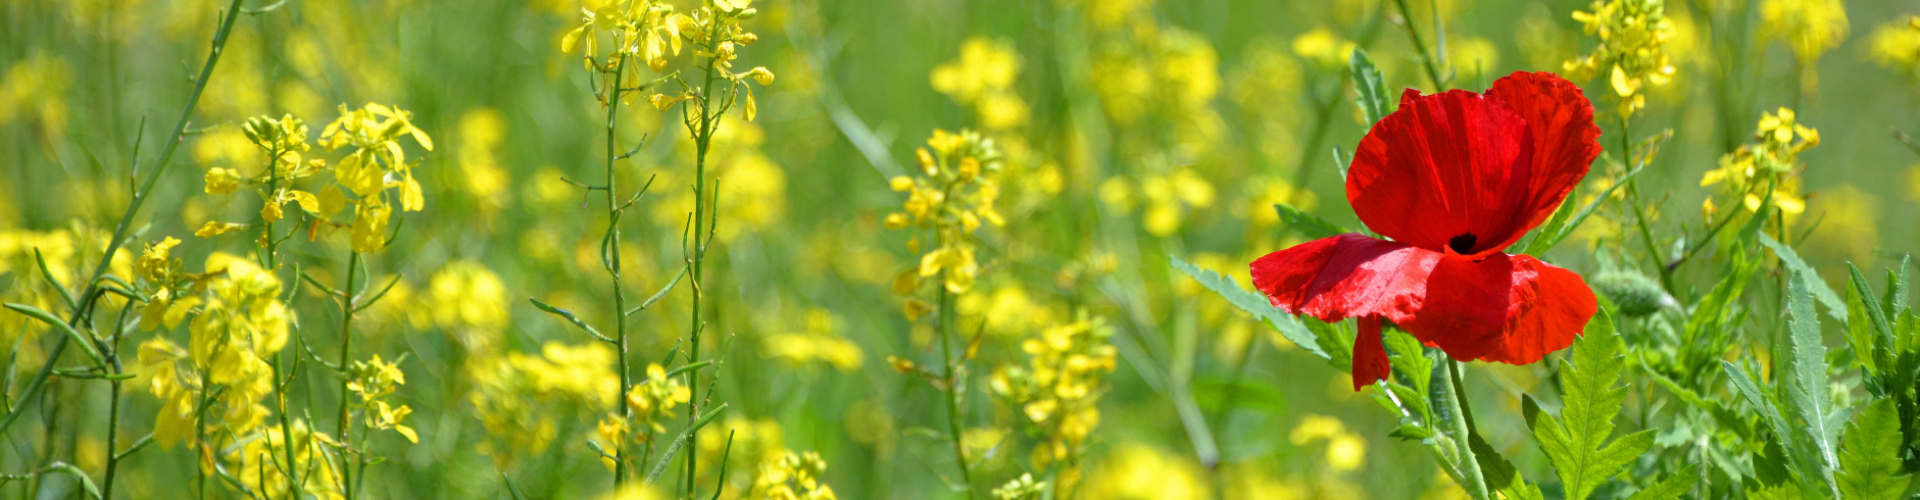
(1634, 294)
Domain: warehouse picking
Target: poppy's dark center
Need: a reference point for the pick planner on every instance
(1462, 244)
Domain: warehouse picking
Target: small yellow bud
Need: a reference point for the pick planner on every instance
(222, 181)
(897, 220)
(900, 183)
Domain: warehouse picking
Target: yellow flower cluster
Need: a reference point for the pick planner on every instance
(482, 131)
(1058, 389)
(377, 164)
(653, 400)
(1896, 45)
(1137, 472)
(647, 30)
(520, 398)
(753, 188)
(983, 77)
(1167, 198)
(1770, 163)
(237, 323)
(817, 340)
(35, 89)
(792, 476)
(374, 381)
(716, 35)
(1810, 27)
(467, 301)
(1020, 488)
(1632, 50)
(950, 199)
(261, 463)
(1345, 451)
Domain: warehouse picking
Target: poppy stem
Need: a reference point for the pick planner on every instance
(1426, 59)
(1475, 481)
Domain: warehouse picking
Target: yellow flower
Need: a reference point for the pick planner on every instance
(1632, 51)
(1133, 471)
(1809, 27)
(369, 228)
(216, 228)
(1896, 45)
(155, 263)
(222, 181)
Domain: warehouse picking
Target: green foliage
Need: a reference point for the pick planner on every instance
(1870, 456)
(1672, 487)
(1835, 308)
(1807, 390)
(1308, 224)
(1374, 101)
(1577, 442)
(1254, 303)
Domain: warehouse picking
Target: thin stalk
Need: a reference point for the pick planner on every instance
(346, 397)
(113, 408)
(39, 381)
(703, 142)
(613, 269)
(1426, 59)
(1476, 481)
(954, 417)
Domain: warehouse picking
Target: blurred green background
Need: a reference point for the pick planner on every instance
(1136, 130)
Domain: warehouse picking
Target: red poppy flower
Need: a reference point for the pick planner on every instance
(1453, 178)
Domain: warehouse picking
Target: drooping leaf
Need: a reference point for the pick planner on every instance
(1253, 303)
(1870, 455)
(1373, 99)
(1672, 487)
(1577, 442)
(1835, 308)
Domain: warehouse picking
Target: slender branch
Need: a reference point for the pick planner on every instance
(39, 382)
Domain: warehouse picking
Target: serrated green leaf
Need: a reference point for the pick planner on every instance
(1798, 459)
(1807, 394)
(1335, 339)
(1373, 100)
(1499, 473)
(1883, 336)
(1253, 303)
(1576, 442)
(1308, 224)
(1672, 487)
(1835, 308)
(1870, 455)
(1860, 333)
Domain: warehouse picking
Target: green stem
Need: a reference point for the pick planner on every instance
(1476, 481)
(346, 359)
(39, 382)
(613, 269)
(1426, 59)
(954, 387)
(701, 212)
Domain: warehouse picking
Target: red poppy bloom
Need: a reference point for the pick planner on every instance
(1453, 178)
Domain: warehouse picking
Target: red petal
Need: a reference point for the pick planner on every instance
(1442, 167)
(1346, 276)
(1369, 355)
(1565, 140)
(1466, 305)
(1547, 307)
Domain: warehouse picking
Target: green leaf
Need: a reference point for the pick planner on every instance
(1710, 314)
(1882, 335)
(1308, 224)
(86, 483)
(1870, 455)
(568, 315)
(1672, 487)
(86, 344)
(1253, 303)
(1807, 392)
(1835, 308)
(1373, 100)
(1795, 455)
(1576, 442)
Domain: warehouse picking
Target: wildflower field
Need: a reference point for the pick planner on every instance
(943, 249)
